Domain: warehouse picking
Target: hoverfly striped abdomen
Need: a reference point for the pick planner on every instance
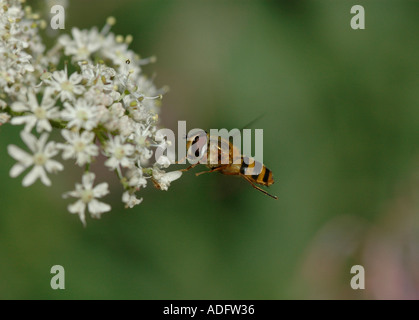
(256, 171)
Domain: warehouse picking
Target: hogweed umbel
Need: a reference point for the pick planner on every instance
(91, 88)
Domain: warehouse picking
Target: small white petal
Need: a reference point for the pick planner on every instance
(125, 162)
(19, 120)
(59, 76)
(43, 140)
(17, 169)
(88, 179)
(92, 150)
(125, 197)
(43, 125)
(32, 176)
(19, 155)
(87, 136)
(19, 107)
(44, 178)
(96, 208)
(68, 135)
(32, 101)
(47, 101)
(29, 140)
(164, 161)
(129, 149)
(171, 176)
(30, 123)
(78, 208)
(82, 159)
(75, 78)
(51, 149)
(112, 163)
(53, 166)
(74, 194)
(101, 190)
(78, 89)
(68, 152)
(130, 200)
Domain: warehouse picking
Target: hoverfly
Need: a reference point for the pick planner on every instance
(224, 159)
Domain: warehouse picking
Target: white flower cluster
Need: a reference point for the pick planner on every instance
(99, 100)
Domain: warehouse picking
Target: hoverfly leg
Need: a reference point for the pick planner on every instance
(212, 170)
(189, 168)
(257, 188)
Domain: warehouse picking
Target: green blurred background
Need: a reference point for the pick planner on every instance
(341, 136)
